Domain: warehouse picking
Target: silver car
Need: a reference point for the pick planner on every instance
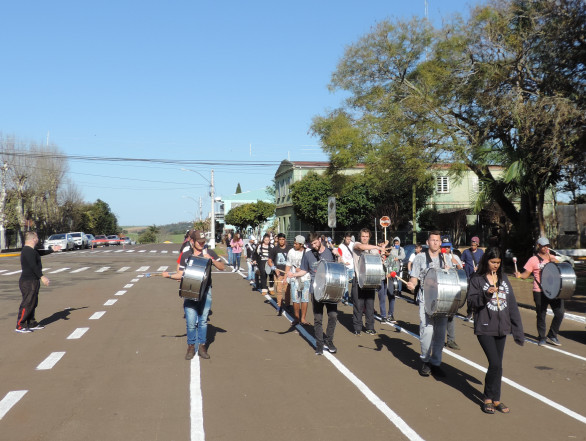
(80, 239)
(64, 240)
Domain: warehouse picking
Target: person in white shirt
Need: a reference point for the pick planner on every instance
(346, 256)
(299, 286)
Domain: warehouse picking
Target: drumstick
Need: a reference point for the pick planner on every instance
(394, 275)
(156, 274)
(515, 262)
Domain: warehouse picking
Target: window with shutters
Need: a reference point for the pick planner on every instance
(443, 184)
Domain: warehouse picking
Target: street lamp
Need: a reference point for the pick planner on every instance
(212, 242)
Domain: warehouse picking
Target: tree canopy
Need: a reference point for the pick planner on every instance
(505, 87)
(251, 215)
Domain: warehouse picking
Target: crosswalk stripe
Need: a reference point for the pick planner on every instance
(79, 270)
(60, 270)
(124, 268)
(142, 269)
(104, 268)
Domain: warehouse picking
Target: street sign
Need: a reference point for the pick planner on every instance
(385, 222)
(332, 212)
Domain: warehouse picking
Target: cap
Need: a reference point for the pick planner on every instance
(446, 242)
(542, 241)
(300, 239)
(252, 237)
(475, 239)
(198, 235)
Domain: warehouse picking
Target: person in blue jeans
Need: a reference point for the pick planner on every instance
(196, 312)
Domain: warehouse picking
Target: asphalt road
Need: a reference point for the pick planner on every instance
(121, 375)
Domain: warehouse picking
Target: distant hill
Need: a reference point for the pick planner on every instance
(176, 228)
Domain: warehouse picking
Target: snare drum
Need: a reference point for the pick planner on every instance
(558, 280)
(370, 271)
(444, 291)
(195, 278)
(330, 282)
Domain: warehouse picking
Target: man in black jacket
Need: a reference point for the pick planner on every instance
(30, 283)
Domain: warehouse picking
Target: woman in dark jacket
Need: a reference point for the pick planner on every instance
(496, 315)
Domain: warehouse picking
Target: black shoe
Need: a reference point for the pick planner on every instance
(280, 313)
(437, 371)
(370, 332)
(391, 319)
(356, 332)
(35, 326)
(424, 370)
(332, 348)
(319, 349)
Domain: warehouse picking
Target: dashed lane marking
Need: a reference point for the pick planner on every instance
(128, 285)
(134, 280)
(9, 400)
(110, 302)
(50, 361)
(124, 268)
(60, 270)
(104, 268)
(142, 269)
(78, 333)
(97, 315)
(79, 270)
(162, 268)
(120, 293)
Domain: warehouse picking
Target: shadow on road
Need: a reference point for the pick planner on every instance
(61, 315)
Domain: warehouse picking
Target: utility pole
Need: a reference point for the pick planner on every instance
(3, 206)
(212, 242)
(200, 209)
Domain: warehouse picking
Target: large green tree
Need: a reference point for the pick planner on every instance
(504, 87)
(101, 219)
(250, 215)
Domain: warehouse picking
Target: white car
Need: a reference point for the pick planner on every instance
(64, 240)
(80, 239)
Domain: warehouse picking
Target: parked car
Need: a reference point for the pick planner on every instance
(90, 238)
(80, 239)
(127, 240)
(100, 241)
(64, 240)
(113, 239)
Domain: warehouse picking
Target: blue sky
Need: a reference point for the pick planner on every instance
(191, 80)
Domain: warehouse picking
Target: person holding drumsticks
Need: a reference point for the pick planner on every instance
(432, 329)
(363, 299)
(496, 314)
(534, 266)
(309, 263)
(196, 312)
(278, 262)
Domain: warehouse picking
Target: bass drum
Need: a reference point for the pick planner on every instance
(370, 271)
(195, 278)
(330, 282)
(558, 280)
(444, 291)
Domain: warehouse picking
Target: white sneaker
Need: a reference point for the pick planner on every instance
(24, 330)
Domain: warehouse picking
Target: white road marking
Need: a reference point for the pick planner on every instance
(110, 302)
(142, 251)
(129, 285)
(107, 251)
(9, 400)
(152, 251)
(120, 293)
(196, 411)
(13, 272)
(1, 271)
(175, 252)
(119, 251)
(59, 270)
(516, 385)
(140, 275)
(50, 361)
(78, 333)
(164, 252)
(134, 280)
(363, 388)
(97, 315)
(130, 251)
(124, 268)
(79, 270)
(162, 268)
(104, 268)
(142, 269)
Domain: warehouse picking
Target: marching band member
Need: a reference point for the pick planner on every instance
(496, 315)
(534, 266)
(432, 329)
(196, 312)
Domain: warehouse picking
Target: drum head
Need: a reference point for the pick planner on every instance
(430, 291)
(320, 280)
(551, 280)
